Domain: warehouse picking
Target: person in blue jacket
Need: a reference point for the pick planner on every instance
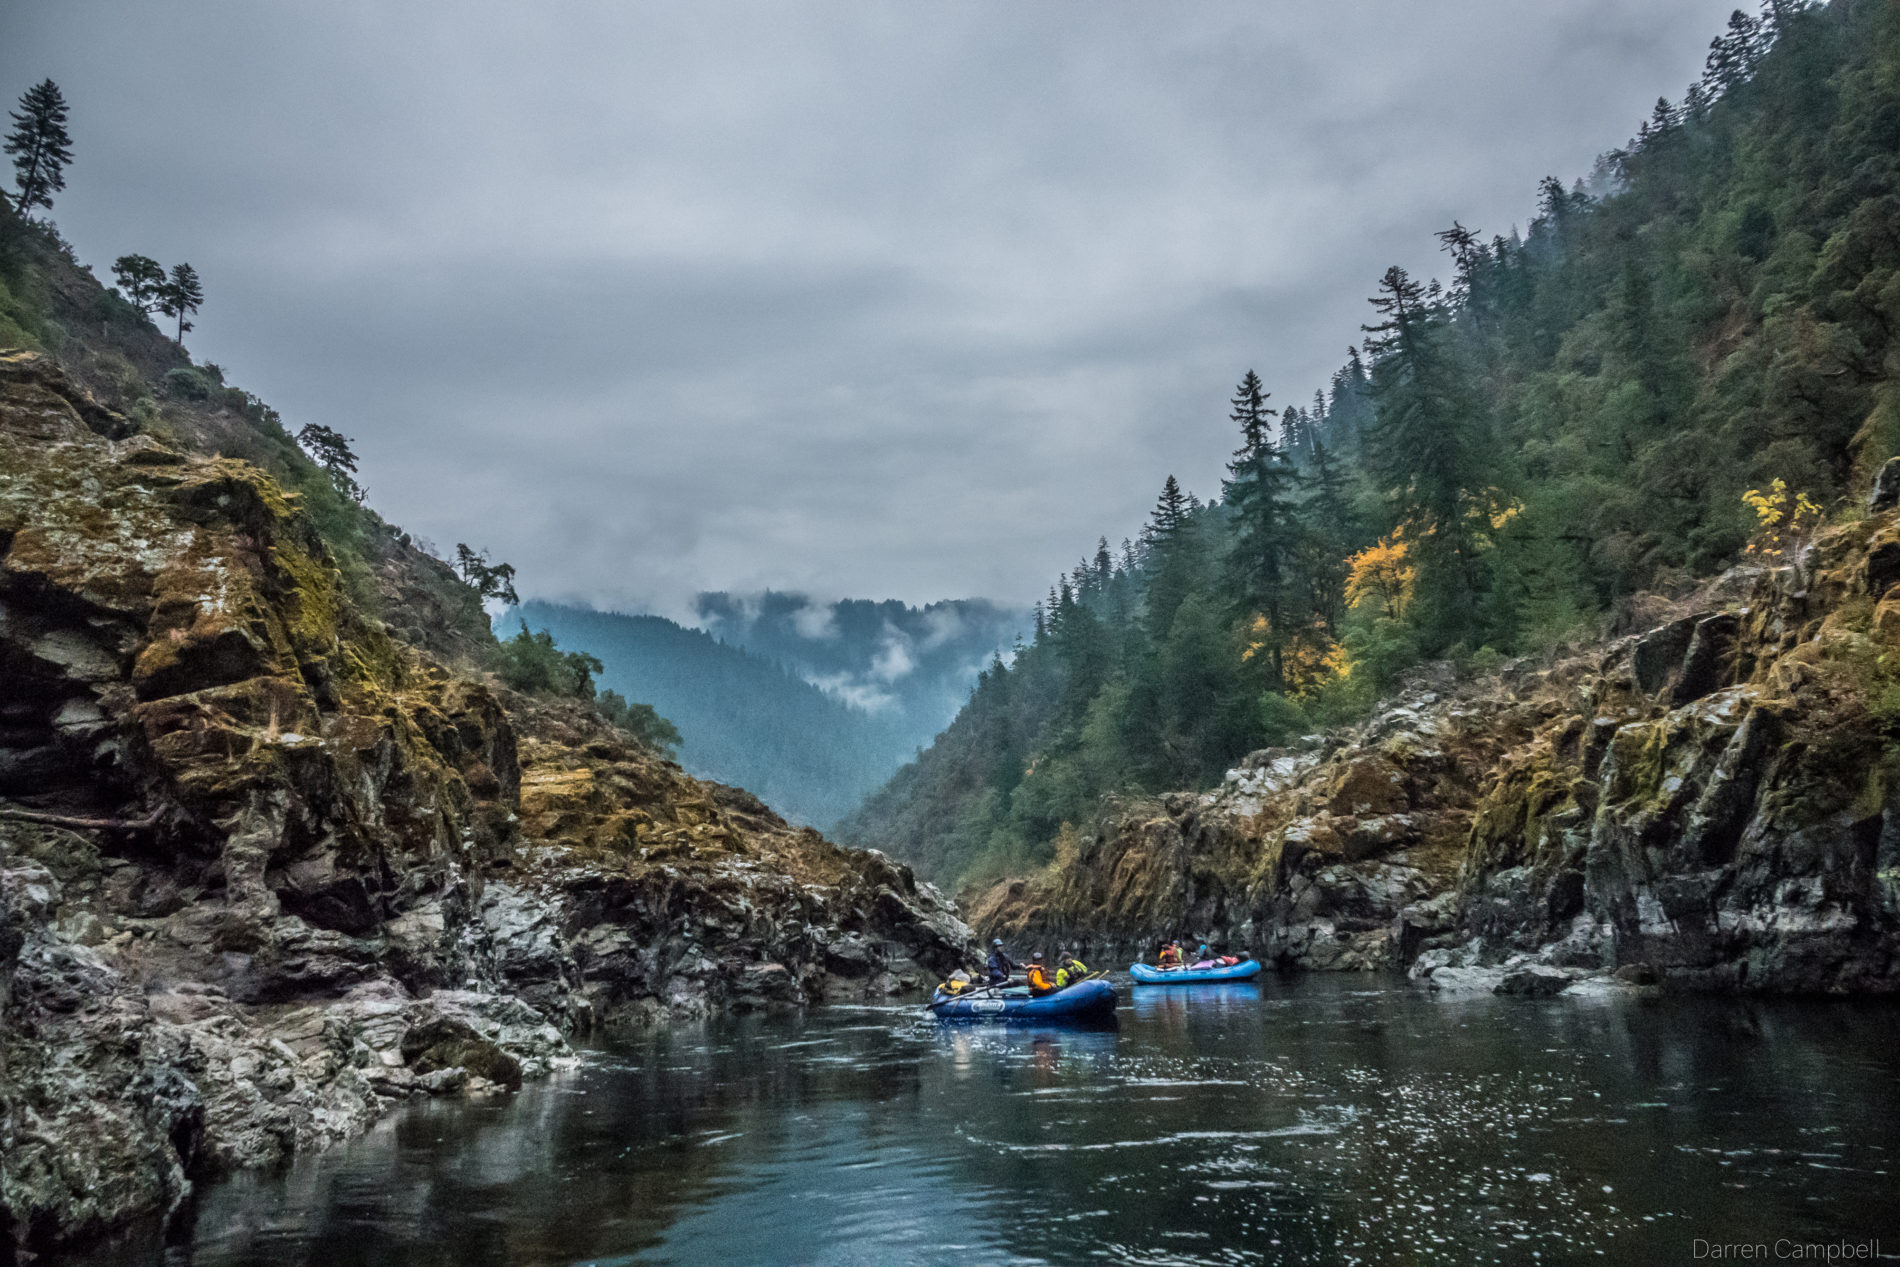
(1000, 965)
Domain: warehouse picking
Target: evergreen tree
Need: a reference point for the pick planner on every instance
(1349, 414)
(181, 294)
(142, 279)
(331, 450)
(1425, 451)
(642, 721)
(1259, 495)
(1080, 644)
(1296, 435)
(1170, 566)
(40, 146)
(1466, 253)
(1695, 103)
(1732, 55)
(490, 580)
(1330, 537)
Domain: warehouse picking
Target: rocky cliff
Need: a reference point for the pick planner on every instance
(269, 864)
(1712, 802)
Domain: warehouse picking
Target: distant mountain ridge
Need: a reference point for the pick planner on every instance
(809, 705)
(886, 657)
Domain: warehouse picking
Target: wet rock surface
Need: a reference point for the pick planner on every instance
(268, 867)
(1712, 803)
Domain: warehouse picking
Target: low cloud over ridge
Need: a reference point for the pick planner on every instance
(908, 301)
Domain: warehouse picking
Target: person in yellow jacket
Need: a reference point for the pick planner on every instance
(1069, 970)
(1039, 982)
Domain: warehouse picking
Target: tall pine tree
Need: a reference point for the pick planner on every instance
(1425, 451)
(181, 296)
(1170, 561)
(1259, 494)
(41, 147)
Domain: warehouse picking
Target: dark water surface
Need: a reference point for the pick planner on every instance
(1321, 1119)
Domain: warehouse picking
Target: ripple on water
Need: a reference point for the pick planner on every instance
(1316, 1121)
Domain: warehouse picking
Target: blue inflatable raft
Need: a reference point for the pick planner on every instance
(1080, 1001)
(1146, 975)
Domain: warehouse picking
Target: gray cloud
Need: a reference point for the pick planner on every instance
(906, 300)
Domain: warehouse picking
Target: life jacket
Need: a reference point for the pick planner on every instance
(1065, 975)
(1039, 978)
(1169, 956)
(1229, 960)
(954, 987)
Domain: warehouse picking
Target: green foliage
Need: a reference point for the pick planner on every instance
(331, 450)
(532, 662)
(1282, 720)
(186, 384)
(21, 323)
(1266, 550)
(181, 295)
(41, 147)
(141, 278)
(641, 721)
(490, 580)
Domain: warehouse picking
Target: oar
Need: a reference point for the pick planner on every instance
(976, 993)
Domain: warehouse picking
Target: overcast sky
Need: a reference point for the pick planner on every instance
(903, 299)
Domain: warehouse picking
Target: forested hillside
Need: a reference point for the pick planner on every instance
(742, 718)
(1690, 354)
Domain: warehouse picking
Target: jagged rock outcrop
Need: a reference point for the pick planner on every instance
(267, 866)
(1341, 855)
(1711, 803)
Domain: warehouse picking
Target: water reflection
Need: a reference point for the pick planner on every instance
(1319, 1120)
(1172, 1005)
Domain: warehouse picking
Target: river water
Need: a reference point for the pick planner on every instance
(1319, 1119)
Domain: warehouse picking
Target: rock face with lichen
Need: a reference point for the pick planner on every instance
(269, 865)
(1329, 856)
(1712, 803)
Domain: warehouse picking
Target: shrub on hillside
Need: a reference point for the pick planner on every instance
(186, 384)
(531, 662)
(642, 721)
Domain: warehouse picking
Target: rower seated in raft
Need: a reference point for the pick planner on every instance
(1169, 956)
(1069, 970)
(1039, 982)
(1000, 965)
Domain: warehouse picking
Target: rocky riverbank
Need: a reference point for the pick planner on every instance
(269, 864)
(1712, 802)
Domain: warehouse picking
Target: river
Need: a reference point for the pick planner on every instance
(1317, 1119)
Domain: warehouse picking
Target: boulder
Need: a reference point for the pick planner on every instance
(447, 1042)
(1885, 494)
(1533, 981)
(1450, 980)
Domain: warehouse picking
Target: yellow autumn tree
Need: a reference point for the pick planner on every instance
(1783, 519)
(1310, 660)
(1383, 573)
(1312, 664)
